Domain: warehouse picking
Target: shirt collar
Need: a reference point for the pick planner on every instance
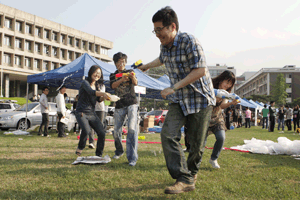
(176, 41)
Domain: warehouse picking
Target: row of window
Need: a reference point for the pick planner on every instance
(72, 41)
(7, 59)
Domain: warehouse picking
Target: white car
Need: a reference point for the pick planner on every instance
(16, 119)
(8, 105)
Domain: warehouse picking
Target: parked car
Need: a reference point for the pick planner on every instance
(159, 116)
(16, 119)
(8, 105)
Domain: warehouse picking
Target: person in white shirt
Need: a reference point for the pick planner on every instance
(61, 111)
(45, 112)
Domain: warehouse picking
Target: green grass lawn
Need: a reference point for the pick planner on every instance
(33, 167)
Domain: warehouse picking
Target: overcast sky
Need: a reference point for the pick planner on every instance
(248, 35)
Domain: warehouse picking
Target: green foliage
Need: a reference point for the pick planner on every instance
(278, 91)
(296, 101)
(21, 101)
(157, 71)
(69, 106)
(40, 168)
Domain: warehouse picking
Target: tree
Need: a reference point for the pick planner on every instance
(278, 91)
(261, 98)
(157, 71)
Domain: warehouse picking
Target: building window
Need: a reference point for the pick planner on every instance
(104, 51)
(62, 53)
(28, 62)
(28, 45)
(18, 43)
(38, 31)
(70, 55)
(77, 55)
(28, 29)
(77, 43)
(37, 47)
(36, 64)
(54, 51)
(96, 48)
(47, 34)
(70, 41)
(18, 26)
(8, 23)
(7, 59)
(83, 44)
(45, 65)
(90, 46)
(62, 38)
(7, 41)
(17, 60)
(46, 49)
(52, 66)
(54, 36)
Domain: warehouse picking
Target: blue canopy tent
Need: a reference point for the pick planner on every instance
(73, 73)
(164, 79)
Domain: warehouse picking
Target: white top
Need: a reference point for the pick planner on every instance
(61, 105)
(44, 104)
(100, 106)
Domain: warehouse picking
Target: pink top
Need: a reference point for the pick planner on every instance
(248, 114)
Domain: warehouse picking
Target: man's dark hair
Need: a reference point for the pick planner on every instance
(265, 105)
(119, 56)
(44, 88)
(287, 106)
(272, 102)
(167, 16)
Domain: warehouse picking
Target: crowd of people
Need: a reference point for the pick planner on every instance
(193, 105)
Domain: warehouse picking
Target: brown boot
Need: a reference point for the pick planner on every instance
(179, 187)
(195, 178)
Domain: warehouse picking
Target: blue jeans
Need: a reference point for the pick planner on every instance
(132, 135)
(265, 119)
(180, 168)
(87, 121)
(281, 123)
(220, 139)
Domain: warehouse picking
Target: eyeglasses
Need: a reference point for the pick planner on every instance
(158, 30)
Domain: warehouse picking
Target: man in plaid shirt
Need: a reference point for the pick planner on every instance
(192, 98)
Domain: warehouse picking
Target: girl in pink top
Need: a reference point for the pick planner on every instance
(247, 117)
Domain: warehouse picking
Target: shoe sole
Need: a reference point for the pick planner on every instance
(91, 147)
(187, 189)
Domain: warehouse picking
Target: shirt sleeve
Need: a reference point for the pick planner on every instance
(86, 86)
(195, 54)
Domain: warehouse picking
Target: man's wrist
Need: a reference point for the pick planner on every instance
(173, 88)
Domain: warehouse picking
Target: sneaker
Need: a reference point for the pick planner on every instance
(91, 146)
(179, 187)
(132, 163)
(44, 135)
(117, 156)
(281, 132)
(214, 163)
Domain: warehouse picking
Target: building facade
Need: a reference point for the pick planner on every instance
(30, 44)
(261, 82)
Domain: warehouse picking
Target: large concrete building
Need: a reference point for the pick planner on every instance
(30, 44)
(261, 82)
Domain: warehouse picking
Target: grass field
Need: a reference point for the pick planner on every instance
(33, 167)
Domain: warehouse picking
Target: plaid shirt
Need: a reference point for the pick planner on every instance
(185, 55)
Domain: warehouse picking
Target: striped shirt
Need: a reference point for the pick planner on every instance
(185, 55)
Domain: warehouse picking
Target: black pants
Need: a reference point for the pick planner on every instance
(288, 123)
(101, 115)
(295, 122)
(75, 127)
(247, 122)
(60, 126)
(272, 123)
(186, 138)
(228, 122)
(45, 122)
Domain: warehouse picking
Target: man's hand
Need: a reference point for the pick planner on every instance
(166, 92)
(124, 79)
(235, 101)
(143, 68)
(132, 75)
